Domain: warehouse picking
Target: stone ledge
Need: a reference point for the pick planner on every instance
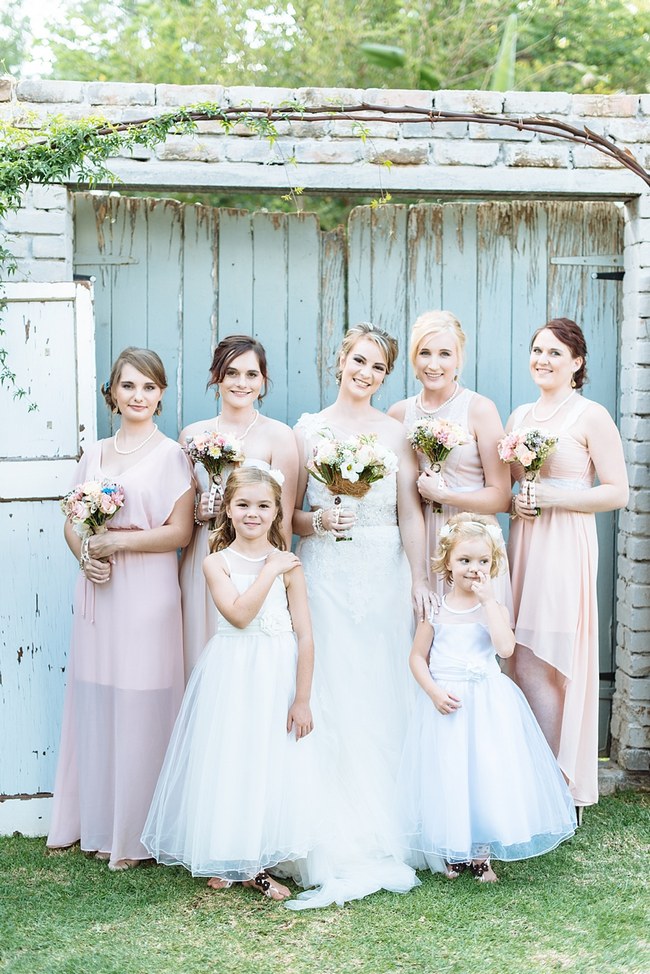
(612, 778)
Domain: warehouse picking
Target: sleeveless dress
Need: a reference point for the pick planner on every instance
(554, 563)
(237, 793)
(360, 603)
(462, 471)
(481, 781)
(125, 670)
(200, 614)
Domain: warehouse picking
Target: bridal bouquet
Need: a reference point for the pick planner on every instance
(214, 451)
(90, 505)
(350, 466)
(530, 447)
(436, 438)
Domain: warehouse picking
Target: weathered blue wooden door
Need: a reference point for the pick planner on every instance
(178, 278)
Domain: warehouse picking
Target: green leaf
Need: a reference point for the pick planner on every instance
(503, 74)
(384, 55)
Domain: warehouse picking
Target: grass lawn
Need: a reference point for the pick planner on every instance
(583, 908)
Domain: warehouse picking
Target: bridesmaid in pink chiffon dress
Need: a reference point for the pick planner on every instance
(474, 478)
(554, 554)
(239, 373)
(125, 667)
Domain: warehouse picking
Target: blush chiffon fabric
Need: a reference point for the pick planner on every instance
(125, 670)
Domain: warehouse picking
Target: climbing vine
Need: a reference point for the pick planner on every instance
(61, 151)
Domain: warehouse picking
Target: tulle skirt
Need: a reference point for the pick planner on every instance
(481, 781)
(236, 793)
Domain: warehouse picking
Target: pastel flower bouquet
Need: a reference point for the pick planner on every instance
(436, 438)
(90, 505)
(214, 451)
(349, 467)
(529, 447)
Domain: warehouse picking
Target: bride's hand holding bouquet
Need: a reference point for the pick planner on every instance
(348, 468)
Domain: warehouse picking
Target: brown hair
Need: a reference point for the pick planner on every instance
(435, 323)
(230, 348)
(224, 533)
(571, 335)
(384, 342)
(460, 527)
(142, 359)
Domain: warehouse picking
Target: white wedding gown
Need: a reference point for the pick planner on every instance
(360, 603)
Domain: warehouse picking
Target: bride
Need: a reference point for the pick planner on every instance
(361, 594)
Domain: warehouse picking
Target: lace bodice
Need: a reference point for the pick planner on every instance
(273, 617)
(378, 508)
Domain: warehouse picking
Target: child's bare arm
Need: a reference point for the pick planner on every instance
(241, 608)
(498, 617)
(443, 701)
(300, 717)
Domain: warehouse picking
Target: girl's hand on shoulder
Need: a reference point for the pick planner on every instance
(96, 571)
(281, 562)
(482, 588)
(300, 720)
(444, 702)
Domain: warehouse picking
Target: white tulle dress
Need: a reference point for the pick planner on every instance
(200, 616)
(481, 781)
(360, 603)
(237, 793)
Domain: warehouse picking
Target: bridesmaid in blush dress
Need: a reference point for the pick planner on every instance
(239, 373)
(475, 480)
(554, 553)
(125, 667)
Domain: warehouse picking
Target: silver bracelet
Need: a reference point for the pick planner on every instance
(317, 523)
(197, 501)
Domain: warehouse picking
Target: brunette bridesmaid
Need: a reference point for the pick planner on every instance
(554, 553)
(239, 373)
(125, 668)
(474, 479)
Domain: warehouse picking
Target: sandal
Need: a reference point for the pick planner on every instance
(223, 883)
(265, 884)
(455, 869)
(479, 870)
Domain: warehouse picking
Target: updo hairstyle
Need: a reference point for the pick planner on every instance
(142, 359)
(385, 343)
(571, 335)
(230, 348)
(435, 323)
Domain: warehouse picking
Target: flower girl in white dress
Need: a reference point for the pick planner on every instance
(477, 779)
(226, 804)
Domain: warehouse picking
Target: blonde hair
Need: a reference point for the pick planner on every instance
(462, 527)
(385, 343)
(224, 533)
(435, 323)
(142, 359)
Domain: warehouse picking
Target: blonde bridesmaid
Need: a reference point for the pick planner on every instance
(475, 480)
(554, 553)
(240, 376)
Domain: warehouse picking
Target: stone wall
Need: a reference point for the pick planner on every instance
(447, 159)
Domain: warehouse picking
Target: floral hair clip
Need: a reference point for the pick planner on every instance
(494, 532)
(445, 531)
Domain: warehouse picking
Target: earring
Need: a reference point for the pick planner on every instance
(158, 409)
(456, 377)
(573, 381)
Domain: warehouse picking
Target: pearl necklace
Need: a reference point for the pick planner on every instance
(246, 431)
(432, 412)
(135, 449)
(556, 410)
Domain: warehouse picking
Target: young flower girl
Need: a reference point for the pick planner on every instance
(226, 804)
(477, 780)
